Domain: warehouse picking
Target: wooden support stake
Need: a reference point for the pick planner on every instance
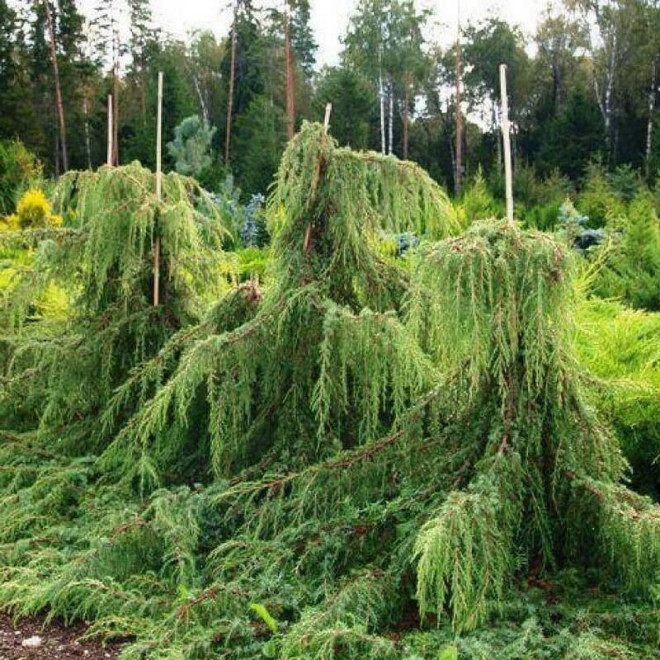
(110, 134)
(507, 145)
(290, 92)
(326, 121)
(159, 185)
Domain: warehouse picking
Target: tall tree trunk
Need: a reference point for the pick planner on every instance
(499, 142)
(451, 150)
(58, 88)
(556, 85)
(381, 95)
(406, 116)
(115, 113)
(143, 89)
(391, 117)
(230, 100)
(649, 125)
(608, 96)
(200, 96)
(290, 79)
(604, 98)
(459, 127)
(56, 150)
(88, 141)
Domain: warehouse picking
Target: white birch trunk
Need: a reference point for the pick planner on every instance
(381, 96)
(649, 125)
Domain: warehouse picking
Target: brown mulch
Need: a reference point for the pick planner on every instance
(59, 642)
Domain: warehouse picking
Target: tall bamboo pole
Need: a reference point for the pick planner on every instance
(115, 110)
(406, 114)
(290, 80)
(159, 185)
(507, 145)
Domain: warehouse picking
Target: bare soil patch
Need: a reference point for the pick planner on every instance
(58, 642)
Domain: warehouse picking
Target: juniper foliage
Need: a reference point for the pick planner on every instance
(59, 376)
(324, 364)
(299, 471)
(495, 308)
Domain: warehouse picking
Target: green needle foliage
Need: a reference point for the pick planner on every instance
(631, 270)
(494, 307)
(290, 399)
(61, 376)
(621, 348)
(300, 472)
(324, 364)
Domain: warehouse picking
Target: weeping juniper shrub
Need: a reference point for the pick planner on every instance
(61, 377)
(307, 467)
(620, 346)
(324, 364)
(289, 399)
(58, 374)
(543, 480)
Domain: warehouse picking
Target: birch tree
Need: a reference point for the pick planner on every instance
(365, 46)
(610, 28)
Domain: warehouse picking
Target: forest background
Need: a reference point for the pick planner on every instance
(582, 86)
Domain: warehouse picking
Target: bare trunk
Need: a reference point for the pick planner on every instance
(56, 151)
(608, 97)
(381, 95)
(88, 141)
(115, 114)
(143, 90)
(499, 142)
(58, 88)
(200, 96)
(459, 128)
(649, 125)
(406, 117)
(230, 100)
(290, 80)
(391, 118)
(451, 150)
(556, 84)
(604, 98)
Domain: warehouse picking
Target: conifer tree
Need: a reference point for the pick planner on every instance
(326, 319)
(544, 479)
(102, 255)
(294, 472)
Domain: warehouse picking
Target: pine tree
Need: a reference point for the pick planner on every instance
(142, 35)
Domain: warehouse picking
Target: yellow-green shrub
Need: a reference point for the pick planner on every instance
(19, 168)
(33, 210)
